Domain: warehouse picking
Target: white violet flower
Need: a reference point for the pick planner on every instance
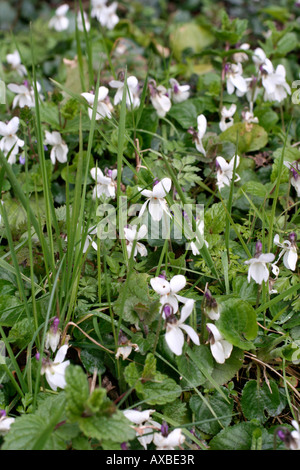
(159, 98)
(106, 15)
(24, 96)
(258, 270)
(178, 93)
(156, 199)
(227, 117)
(289, 251)
(89, 241)
(105, 184)
(97, 6)
(201, 130)
(14, 60)
(5, 422)
(241, 56)
(259, 57)
(199, 133)
(169, 442)
(125, 346)
(220, 347)
(290, 438)
(249, 118)
(103, 108)
(55, 370)
(80, 25)
(132, 98)
(59, 149)
(10, 141)
(125, 350)
(131, 234)
(235, 80)
(145, 426)
(225, 171)
(210, 305)
(168, 291)
(59, 21)
(53, 335)
(295, 175)
(274, 82)
(174, 327)
(295, 445)
(196, 244)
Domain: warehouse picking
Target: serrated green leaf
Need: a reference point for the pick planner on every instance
(237, 437)
(254, 188)
(274, 400)
(252, 401)
(222, 373)
(186, 113)
(138, 303)
(237, 323)
(189, 36)
(153, 387)
(215, 218)
(245, 290)
(223, 410)
(11, 310)
(287, 43)
(257, 400)
(93, 359)
(36, 432)
(77, 392)
(191, 368)
(115, 428)
(177, 410)
(21, 332)
(250, 138)
(161, 391)
(149, 370)
(96, 400)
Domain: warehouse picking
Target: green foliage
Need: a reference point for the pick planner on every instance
(37, 431)
(249, 138)
(189, 36)
(222, 373)
(138, 303)
(102, 297)
(232, 30)
(151, 385)
(237, 437)
(237, 323)
(257, 400)
(95, 414)
(192, 368)
(214, 413)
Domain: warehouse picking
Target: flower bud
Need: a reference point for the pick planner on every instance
(258, 248)
(292, 237)
(210, 305)
(168, 310)
(164, 429)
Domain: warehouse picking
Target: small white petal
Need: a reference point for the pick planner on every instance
(175, 340)
(160, 285)
(138, 417)
(177, 283)
(191, 333)
(187, 310)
